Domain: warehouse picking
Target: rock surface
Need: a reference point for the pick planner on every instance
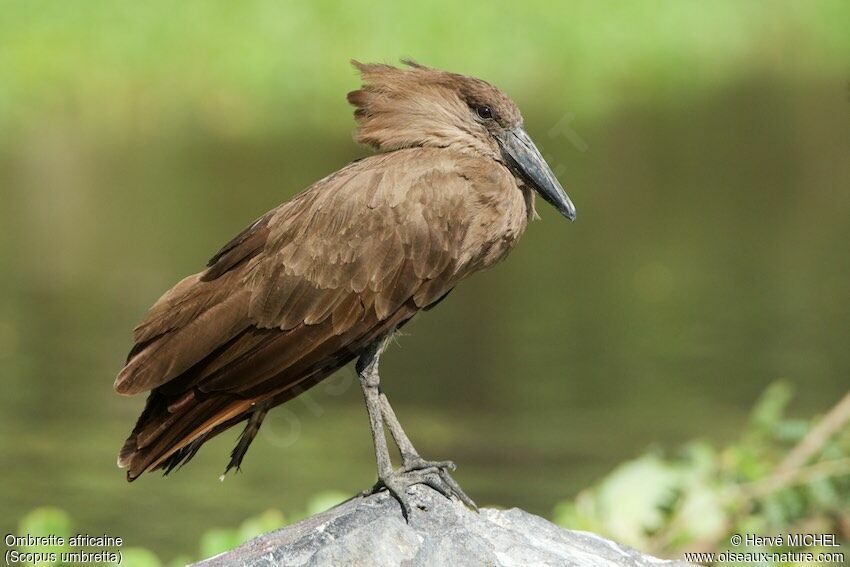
(371, 531)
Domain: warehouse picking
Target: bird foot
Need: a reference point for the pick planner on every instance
(441, 468)
(419, 471)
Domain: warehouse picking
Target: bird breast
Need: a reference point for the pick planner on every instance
(502, 214)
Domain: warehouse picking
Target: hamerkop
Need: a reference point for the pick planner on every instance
(330, 275)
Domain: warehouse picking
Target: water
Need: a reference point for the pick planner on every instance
(709, 259)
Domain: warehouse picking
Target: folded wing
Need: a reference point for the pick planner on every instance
(293, 298)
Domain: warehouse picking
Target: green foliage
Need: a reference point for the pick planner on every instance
(52, 521)
(696, 500)
(43, 522)
(693, 501)
(219, 540)
(139, 557)
(249, 60)
(325, 500)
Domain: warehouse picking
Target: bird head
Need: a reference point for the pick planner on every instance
(419, 106)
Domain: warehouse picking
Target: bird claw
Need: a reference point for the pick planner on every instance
(417, 463)
(429, 473)
(441, 468)
(456, 490)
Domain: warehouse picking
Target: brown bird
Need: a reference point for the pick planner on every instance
(328, 276)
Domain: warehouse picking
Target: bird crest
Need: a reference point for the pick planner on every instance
(418, 105)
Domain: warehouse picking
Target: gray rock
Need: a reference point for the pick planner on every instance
(371, 531)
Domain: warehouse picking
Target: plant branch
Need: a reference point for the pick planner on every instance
(814, 441)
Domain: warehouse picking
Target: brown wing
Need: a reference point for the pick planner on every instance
(293, 298)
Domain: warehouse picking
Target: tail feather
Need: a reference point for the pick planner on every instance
(182, 455)
(239, 380)
(153, 406)
(245, 439)
(184, 428)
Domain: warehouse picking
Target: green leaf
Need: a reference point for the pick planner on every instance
(792, 430)
(578, 515)
(180, 561)
(823, 494)
(632, 499)
(269, 520)
(701, 513)
(139, 557)
(325, 500)
(217, 541)
(770, 407)
(42, 522)
(701, 456)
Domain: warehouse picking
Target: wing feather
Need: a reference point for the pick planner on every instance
(295, 296)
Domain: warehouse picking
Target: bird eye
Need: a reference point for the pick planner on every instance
(484, 112)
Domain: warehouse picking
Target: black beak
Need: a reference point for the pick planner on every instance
(525, 159)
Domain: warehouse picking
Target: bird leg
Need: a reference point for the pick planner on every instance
(409, 455)
(367, 372)
(412, 461)
(415, 469)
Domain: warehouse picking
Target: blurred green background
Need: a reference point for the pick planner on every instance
(706, 146)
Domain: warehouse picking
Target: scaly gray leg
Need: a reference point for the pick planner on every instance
(367, 372)
(415, 470)
(411, 461)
